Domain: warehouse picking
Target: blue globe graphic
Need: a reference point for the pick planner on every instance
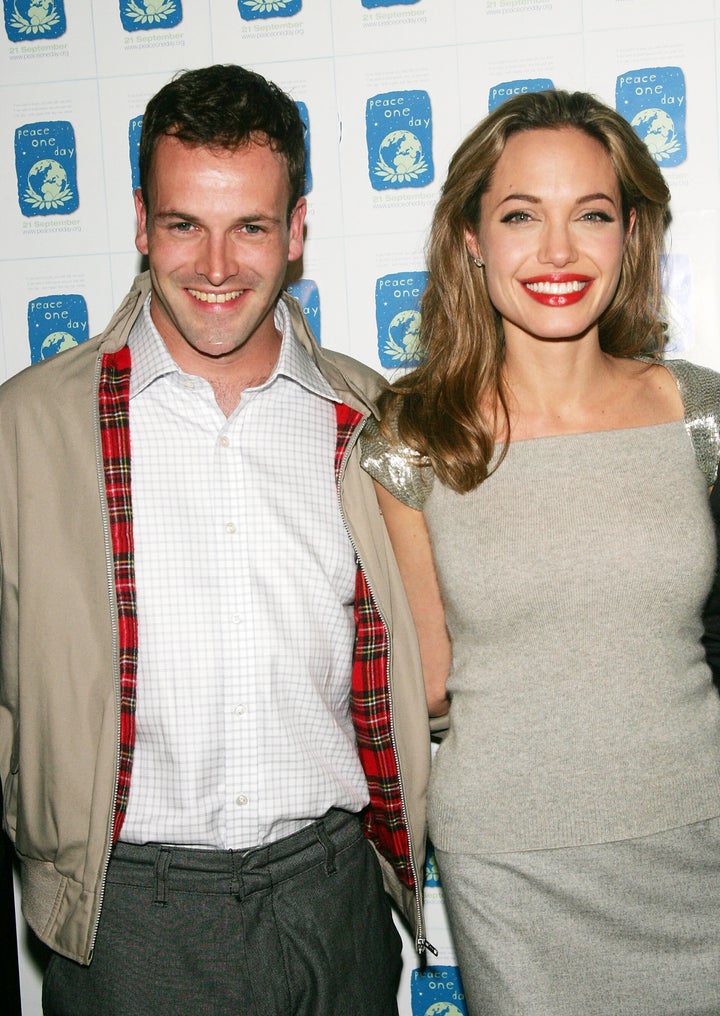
(656, 129)
(404, 332)
(402, 151)
(40, 12)
(49, 180)
(56, 342)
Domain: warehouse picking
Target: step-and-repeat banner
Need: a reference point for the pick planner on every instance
(386, 89)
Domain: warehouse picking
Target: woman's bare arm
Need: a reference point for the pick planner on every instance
(411, 543)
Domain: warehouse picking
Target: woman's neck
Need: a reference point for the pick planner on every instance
(567, 387)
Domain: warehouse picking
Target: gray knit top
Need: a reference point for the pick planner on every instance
(573, 578)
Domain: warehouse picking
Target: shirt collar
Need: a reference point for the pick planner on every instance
(295, 362)
(151, 359)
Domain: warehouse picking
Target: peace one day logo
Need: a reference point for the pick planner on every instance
(56, 322)
(652, 99)
(250, 10)
(437, 991)
(397, 315)
(505, 90)
(46, 168)
(31, 20)
(398, 130)
(307, 293)
(146, 15)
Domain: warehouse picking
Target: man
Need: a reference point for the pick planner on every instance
(210, 679)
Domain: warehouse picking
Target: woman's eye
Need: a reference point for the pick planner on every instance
(597, 217)
(516, 217)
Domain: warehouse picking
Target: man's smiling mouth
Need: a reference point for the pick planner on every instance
(215, 297)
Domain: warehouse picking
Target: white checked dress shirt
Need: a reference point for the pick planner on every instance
(245, 587)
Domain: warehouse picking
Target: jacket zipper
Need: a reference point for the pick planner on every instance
(109, 561)
(421, 943)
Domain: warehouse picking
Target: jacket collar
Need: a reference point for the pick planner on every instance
(349, 380)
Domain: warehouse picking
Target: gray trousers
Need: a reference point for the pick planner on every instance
(301, 927)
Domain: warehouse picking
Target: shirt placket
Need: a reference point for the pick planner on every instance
(234, 525)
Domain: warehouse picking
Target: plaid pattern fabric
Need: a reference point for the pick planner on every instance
(384, 821)
(114, 405)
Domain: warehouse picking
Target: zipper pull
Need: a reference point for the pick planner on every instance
(423, 944)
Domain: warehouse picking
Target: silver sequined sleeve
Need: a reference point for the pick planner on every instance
(395, 466)
(699, 388)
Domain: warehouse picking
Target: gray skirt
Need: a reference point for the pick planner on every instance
(630, 928)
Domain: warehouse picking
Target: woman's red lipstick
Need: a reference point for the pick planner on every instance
(557, 290)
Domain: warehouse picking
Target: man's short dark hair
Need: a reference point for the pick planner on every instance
(225, 106)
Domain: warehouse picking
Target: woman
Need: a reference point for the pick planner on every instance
(544, 476)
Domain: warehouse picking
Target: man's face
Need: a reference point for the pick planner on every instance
(217, 238)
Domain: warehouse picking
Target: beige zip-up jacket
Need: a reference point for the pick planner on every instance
(59, 676)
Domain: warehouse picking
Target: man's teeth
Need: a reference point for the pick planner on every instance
(214, 297)
(556, 288)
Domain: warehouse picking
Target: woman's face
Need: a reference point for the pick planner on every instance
(551, 234)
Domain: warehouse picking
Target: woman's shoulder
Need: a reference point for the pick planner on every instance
(699, 389)
(395, 465)
(699, 386)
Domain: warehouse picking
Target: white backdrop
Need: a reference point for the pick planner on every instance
(387, 89)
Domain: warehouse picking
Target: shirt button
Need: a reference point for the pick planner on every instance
(240, 710)
(230, 527)
(225, 441)
(236, 618)
(241, 800)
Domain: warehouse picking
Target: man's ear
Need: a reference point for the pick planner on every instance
(141, 234)
(297, 223)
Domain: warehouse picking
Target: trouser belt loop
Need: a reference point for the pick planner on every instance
(236, 857)
(162, 863)
(328, 847)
